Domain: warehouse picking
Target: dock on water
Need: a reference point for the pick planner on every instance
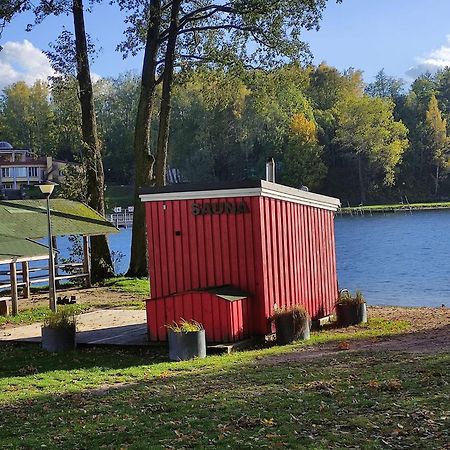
(122, 217)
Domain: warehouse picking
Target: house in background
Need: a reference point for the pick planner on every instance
(20, 168)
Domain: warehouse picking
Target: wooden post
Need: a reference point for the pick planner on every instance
(14, 296)
(87, 261)
(26, 279)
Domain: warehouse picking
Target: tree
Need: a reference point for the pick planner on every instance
(26, 116)
(116, 106)
(372, 138)
(65, 55)
(211, 138)
(66, 110)
(385, 86)
(303, 163)
(196, 32)
(143, 157)
(437, 141)
(102, 266)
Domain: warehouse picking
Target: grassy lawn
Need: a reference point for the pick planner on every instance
(36, 314)
(137, 286)
(108, 398)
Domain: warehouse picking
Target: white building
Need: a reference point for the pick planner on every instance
(19, 167)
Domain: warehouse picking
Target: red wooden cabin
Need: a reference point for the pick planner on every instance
(227, 255)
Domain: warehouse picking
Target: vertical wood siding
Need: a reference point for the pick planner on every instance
(281, 252)
(223, 320)
(299, 261)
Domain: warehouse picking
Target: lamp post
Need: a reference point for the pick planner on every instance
(47, 189)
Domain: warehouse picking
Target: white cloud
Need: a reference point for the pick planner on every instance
(22, 61)
(434, 61)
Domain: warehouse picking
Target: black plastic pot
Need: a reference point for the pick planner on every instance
(58, 339)
(288, 330)
(184, 346)
(351, 314)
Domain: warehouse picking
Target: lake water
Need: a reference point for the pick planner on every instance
(395, 259)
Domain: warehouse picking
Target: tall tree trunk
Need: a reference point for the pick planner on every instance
(362, 188)
(166, 107)
(143, 158)
(102, 266)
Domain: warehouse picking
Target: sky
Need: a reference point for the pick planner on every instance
(405, 37)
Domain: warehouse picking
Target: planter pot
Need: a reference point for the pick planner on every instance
(305, 332)
(287, 330)
(362, 313)
(58, 339)
(351, 314)
(184, 346)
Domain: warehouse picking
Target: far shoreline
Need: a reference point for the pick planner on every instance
(392, 208)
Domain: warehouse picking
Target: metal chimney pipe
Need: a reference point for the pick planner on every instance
(270, 170)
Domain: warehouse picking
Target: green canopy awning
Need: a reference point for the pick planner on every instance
(13, 249)
(27, 219)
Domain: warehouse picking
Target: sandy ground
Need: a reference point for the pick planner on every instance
(100, 327)
(429, 333)
(98, 297)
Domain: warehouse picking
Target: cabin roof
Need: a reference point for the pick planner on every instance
(250, 188)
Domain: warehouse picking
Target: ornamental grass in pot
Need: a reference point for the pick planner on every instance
(59, 331)
(351, 310)
(187, 340)
(292, 324)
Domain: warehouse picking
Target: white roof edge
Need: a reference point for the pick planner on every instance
(267, 189)
(198, 195)
(276, 190)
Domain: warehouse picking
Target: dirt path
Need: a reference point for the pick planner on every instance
(429, 333)
(96, 297)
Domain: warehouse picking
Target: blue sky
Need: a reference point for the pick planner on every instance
(403, 36)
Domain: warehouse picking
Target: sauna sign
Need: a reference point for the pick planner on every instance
(205, 209)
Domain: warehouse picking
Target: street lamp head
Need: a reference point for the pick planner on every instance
(47, 187)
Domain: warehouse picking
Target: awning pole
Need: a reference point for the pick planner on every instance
(14, 295)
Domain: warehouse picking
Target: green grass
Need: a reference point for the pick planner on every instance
(136, 286)
(36, 314)
(113, 399)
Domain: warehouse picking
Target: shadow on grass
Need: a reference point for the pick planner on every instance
(371, 402)
(15, 358)
(18, 360)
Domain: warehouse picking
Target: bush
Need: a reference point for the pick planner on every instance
(291, 324)
(63, 318)
(346, 298)
(185, 326)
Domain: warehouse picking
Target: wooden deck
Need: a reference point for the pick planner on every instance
(101, 327)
